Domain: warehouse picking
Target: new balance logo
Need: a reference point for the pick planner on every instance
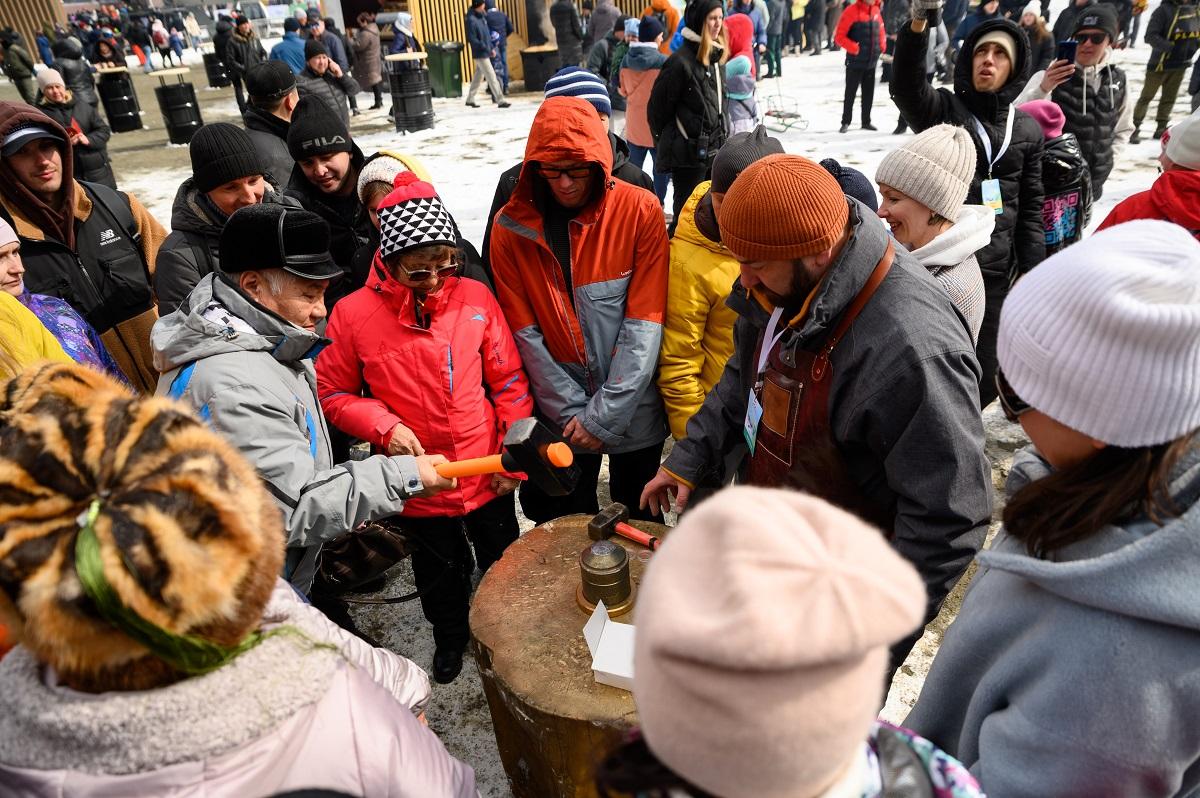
(323, 141)
(107, 235)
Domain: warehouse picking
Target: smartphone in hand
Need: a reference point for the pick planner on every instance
(1066, 51)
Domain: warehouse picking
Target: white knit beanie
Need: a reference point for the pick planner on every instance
(1183, 148)
(763, 626)
(380, 169)
(935, 168)
(1104, 336)
(1034, 7)
(49, 77)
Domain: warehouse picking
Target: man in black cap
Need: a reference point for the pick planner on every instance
(227, 174)
(243, 52)
(273, 98)
(325, 181)
(1092, 92)
(258, 387)
(322, 78)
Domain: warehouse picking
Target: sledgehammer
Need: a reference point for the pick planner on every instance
(611, 521)
(531, 447)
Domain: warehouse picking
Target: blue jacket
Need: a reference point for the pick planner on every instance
(290, 51)
(498, 21)
(479, 35)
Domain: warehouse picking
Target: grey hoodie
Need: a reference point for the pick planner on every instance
(259, 390)
(1078, 676)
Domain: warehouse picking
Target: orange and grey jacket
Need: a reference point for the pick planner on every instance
(590, 352)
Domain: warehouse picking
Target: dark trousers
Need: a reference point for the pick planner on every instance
(886, 76)
(995, 288)
(832, 15)
(628, 473)
(683, 182)
(27, 88)
(239, 95)
(377, 90)
(442, 563)
(1169, 81)
(774, 55)
(855, 77)
(795, 33)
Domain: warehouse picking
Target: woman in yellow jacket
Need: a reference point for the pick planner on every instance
(698, 329)
(23, 339)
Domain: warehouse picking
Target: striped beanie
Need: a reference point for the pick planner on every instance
(783, 207)
(573, 81)
(413, 216)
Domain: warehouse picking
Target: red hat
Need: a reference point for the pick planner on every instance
(413, 216)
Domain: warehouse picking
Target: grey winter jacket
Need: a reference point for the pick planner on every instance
(903, 405)
(334, 91)
(269, 134)
(191, 250)
(568, 32)
(604, 17)
(259, 390)
(779, 13)
(1077, 676)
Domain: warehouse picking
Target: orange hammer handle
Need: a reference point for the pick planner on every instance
(636, 535)
(492, 464)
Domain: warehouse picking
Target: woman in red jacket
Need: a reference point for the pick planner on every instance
(423, 362)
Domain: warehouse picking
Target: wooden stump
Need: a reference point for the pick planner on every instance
(553, 722)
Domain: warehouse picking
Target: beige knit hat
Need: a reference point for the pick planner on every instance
(934, 167)
(49, 77)
(763, 626)
(782, 207)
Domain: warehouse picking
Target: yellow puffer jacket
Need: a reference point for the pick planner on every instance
(23, 339)
(698, 330)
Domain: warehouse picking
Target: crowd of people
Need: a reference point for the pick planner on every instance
(211, 437)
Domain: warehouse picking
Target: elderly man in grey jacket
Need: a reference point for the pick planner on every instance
(240, 351)
(861, 389)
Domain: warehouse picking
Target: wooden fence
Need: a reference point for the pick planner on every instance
(28, 16)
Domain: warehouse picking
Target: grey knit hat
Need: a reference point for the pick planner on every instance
(934, 168)
(739, 151)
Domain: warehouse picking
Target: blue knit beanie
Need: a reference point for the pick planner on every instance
(576, 82)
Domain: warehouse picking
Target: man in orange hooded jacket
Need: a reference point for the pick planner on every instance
(580, 266)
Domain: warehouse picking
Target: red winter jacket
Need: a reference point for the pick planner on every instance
(457, 385)
(858, 28)
(1174, 197)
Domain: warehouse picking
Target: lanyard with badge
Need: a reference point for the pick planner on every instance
(990, 188)
(754, 408)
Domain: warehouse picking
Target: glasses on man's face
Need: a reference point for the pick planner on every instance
(423, 272)
(575, 172)
(1094, 38)
(1014, 406)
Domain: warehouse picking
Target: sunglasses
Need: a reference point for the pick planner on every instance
(1094, 38)
(575, 173)
(1014, 406)
(421, 275)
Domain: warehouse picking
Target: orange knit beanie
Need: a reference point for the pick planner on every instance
(783, 207)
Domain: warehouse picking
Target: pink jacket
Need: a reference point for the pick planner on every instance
(456, 383)
(283, 716)
(637, 81)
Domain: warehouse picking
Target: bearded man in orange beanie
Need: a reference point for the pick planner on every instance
(853, 376)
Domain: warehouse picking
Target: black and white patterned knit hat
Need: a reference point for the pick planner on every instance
(413, 216)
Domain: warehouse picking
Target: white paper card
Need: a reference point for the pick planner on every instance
(611, 646)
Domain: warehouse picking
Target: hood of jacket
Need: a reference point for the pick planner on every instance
(971, 232)
(1063, 163)
(1111, 570)
(1176, 195)
(990, 106)
(687, 230)
(224, 25)
(643, 56)
(186, 336)
(69, 47)
(191, 214)
(312, 197)
(564, 129)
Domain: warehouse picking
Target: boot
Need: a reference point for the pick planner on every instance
(1135, 137)
(868, 126)
(901, 128)
(1158, 133)
(378, 99)
(843, 128)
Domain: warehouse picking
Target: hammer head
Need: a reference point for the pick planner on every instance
(604, 523)
(526, 442)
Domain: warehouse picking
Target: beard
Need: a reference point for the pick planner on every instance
(792, 300)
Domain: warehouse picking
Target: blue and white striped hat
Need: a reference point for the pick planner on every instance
(576, 82)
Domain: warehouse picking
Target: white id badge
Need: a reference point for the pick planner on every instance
(991, 195)
(754, 413)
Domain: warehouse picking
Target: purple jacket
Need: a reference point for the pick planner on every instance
(77, 337)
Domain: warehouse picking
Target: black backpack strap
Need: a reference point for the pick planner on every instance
(116, 204)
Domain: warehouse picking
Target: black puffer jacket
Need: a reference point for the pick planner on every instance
(622, 170)
(1067, 207)
(331, 90)
(192, 249)
(91, 161)
(221, 39)
(568, 31)
(243, 53)
(1092, 101)
(690, 94)
(75, 71)
(1173, 33)
(1018, 240)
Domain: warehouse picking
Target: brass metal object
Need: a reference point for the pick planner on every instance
(604, 572)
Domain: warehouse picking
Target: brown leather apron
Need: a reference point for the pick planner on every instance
(795, 447)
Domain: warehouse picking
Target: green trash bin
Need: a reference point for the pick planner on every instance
(445, 68)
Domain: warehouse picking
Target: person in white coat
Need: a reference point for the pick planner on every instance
(923, 186)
